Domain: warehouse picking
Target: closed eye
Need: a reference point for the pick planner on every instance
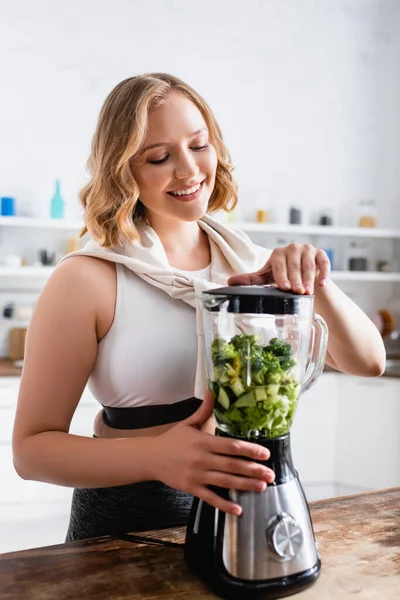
(159, 162)
(199, 148)
(163, 160)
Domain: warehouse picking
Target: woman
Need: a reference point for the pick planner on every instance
(120, 315)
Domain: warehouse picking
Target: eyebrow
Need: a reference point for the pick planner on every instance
(166, 144)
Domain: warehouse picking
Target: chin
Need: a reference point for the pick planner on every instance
(195, 216)
(193, 213)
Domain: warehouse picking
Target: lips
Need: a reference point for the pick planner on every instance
(186, 190)
(185, 197)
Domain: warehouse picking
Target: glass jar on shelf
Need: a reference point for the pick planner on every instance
(357, 257)
(367, 213)
(261, 205)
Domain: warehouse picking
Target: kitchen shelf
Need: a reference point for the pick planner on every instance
(38, 223)
(316, 230)
(372, 276)
(38, 272)
(248, 226)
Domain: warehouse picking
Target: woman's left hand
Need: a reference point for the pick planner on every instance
(297, 267)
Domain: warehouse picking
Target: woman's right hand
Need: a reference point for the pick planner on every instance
(190, 460)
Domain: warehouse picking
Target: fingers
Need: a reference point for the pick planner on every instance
(226, 480)
(300, 265)
(308, 268)
(324, 266)
(246, 468)
(203, 413)
(295, 267)
(246, 279)
(214, 500)
(261, 277)
(232, 447)
(245, 484)
(280, 269)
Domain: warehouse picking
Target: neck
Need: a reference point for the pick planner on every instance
(180, 236)
(185, 244)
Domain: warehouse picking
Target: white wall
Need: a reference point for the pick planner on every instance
(307, 91)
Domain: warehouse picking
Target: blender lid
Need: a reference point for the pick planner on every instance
(264, 299)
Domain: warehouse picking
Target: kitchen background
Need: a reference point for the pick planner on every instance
(307, 93)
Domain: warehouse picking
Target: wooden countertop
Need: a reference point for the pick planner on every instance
(358, 538)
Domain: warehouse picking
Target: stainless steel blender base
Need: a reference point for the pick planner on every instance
(273, 537)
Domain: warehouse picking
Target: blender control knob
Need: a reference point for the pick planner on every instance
(284, 536)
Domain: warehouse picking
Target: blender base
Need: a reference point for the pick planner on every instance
(229, 588)
(246, 558)
(202, 557)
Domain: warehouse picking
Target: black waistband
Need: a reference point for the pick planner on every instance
(138, 417)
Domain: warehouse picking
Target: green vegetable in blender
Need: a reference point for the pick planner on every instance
(254, 386)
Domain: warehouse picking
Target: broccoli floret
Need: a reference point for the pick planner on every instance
(245, 342)
(283, 351)
(222, 351)
(257, 360)
(279, 348)
(237, 341)
(272, 362)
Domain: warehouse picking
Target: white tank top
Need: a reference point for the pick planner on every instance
(149, 354)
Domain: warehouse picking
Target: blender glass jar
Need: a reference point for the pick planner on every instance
(263, 347)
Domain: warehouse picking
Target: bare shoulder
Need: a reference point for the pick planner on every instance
(85, 271)
(87, 283)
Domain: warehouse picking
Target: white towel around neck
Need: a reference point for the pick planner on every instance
(232, 252)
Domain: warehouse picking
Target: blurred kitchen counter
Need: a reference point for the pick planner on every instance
(7, 368)
(391, 373)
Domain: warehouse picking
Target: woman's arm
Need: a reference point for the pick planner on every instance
(61, 349)
(355, 344)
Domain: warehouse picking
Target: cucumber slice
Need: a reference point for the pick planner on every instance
(261, 393)
(223, 398)
(273, 389)
(214, 387)
(237, 388)
(248, 399)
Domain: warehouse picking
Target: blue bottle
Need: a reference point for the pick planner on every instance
(7, 206)
(57, 203)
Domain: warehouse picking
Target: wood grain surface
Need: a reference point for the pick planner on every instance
(358, 538)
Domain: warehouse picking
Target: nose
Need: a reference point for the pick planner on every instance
(186, 166)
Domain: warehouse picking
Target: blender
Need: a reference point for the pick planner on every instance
(263, 348)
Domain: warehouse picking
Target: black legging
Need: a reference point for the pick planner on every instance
(116, 510)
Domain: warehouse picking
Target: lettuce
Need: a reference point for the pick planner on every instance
(255, 387)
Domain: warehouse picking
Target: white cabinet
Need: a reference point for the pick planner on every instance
(9, 387)
(313, 436)
(82, 421)
(346, 435)
(13, 488)
(368, 432)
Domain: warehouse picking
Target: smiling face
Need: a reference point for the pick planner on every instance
(176, 169)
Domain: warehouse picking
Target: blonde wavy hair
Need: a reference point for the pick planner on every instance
(111, 197)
